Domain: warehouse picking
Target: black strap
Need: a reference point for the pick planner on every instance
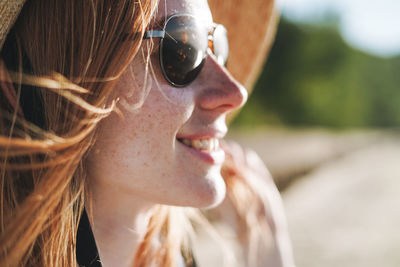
(86, 250)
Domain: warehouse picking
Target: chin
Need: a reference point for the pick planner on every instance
(211, 193)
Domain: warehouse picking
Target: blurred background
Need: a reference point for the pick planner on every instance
(325, 116)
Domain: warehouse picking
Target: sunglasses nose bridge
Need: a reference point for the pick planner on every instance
(218, 58)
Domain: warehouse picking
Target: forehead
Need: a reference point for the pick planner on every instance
(199, 8)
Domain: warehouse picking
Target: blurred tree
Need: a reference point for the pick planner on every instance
(313, 78)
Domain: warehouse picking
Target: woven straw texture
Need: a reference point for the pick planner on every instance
(9, 11)
(251, 28)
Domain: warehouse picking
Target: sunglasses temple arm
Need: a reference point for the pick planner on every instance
(154, 34)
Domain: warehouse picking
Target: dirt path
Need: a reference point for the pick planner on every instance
(343, 202)
(347, 211)
(290, 154)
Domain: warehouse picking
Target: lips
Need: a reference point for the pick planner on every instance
(205, 148)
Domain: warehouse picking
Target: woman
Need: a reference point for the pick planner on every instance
(111, 113)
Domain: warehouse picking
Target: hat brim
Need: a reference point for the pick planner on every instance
(251, 26)
(9, 11)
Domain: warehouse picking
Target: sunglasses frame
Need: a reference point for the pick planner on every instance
(161, 34)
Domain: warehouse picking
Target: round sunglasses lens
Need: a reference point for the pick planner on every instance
(220, 45)
(183, 49)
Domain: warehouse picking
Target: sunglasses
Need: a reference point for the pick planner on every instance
(184, 46)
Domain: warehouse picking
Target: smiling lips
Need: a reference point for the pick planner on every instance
(204, 144)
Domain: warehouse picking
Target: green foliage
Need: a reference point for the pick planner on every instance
(313, 78)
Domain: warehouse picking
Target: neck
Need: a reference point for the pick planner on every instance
(119, 223)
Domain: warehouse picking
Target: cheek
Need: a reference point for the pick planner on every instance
(167, 107)
(141, 138)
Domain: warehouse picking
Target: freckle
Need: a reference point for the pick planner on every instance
(149, 116)
(132, 136)
(146, 164)
(138, 153)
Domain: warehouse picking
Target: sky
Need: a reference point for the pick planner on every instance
(369, 25)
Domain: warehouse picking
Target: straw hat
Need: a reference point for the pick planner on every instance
(9, 11)
(251, 26)
(250, 23)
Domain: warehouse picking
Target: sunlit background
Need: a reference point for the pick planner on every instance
(325, 117)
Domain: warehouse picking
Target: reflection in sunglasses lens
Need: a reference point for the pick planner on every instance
(220, 45)
(183, 50)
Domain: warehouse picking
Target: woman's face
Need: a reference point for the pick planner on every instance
(153, 153)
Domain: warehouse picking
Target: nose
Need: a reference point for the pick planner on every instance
(220, 91)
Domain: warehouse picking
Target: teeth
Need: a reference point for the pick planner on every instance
(216, 144)
(211, 144)
(205, 144)
(197, 144)
(187, 142)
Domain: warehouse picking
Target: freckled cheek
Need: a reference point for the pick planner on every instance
(147, 133)
(170, 114)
